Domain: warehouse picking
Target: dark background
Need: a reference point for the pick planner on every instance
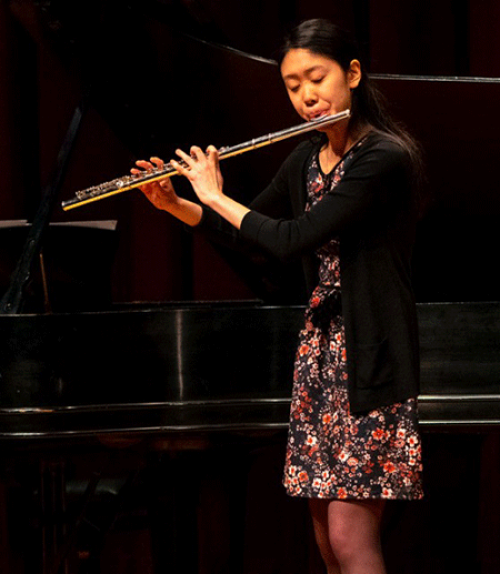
(164, 74)
(160, 74)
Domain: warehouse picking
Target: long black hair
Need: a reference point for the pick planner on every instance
(369, 108)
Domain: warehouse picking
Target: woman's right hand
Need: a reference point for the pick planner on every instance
(160, 193)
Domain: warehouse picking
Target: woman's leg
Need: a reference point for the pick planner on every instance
(349, 536)
(319, 514)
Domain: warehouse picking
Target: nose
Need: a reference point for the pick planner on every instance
(309, 94)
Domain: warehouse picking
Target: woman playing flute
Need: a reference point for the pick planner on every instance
(353, 437)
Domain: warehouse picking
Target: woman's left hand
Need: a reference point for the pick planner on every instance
(203, 172)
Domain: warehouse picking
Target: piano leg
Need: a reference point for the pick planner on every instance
(53, 516)
(61, 529)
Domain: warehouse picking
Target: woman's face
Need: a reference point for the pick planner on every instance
(316, 85)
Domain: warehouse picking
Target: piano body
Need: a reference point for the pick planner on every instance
(202, 367)
(206, 375)
(214, 379)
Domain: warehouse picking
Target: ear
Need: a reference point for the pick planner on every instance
(354, 74)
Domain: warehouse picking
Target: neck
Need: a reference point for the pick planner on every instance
(341, 139)
(338, 142)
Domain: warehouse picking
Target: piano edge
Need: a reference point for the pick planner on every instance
(436, 412)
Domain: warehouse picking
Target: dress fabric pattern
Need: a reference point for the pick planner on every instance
(331, 452)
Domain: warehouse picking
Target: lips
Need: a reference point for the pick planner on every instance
(317, 115)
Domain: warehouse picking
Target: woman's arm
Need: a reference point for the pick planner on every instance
(273, 201)
(203, 172)
(354, 201)
(357, 200)
(366, 194)
(162, 195)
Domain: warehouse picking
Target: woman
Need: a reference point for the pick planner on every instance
(353, 439)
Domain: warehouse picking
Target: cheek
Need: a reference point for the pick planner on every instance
(337, 89)
(294, 99)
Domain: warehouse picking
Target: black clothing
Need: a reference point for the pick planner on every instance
(331, 452)
(372, 216)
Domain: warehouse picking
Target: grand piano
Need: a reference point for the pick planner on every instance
(94, 375)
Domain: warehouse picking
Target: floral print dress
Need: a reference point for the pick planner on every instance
(331, 452)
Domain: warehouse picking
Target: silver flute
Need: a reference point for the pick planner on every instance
(121, 184)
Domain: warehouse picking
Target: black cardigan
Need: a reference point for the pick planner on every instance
(370, 211)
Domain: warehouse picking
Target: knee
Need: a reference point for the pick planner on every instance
(342, 541)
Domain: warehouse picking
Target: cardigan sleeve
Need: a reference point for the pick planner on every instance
(272, 202)
(366, 185)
